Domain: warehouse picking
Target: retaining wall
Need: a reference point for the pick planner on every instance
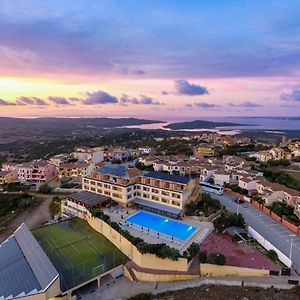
(215, 271)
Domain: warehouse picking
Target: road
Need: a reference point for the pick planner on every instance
(271, 230)
(32, 217)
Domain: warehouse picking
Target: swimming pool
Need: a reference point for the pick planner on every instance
(162, 225)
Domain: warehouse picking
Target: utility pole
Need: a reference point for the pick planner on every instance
(291, 249)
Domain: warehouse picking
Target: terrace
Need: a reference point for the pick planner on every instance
(119, 215)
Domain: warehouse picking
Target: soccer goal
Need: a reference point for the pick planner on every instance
(98, 270)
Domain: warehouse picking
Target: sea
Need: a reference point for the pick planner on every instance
(273, 124)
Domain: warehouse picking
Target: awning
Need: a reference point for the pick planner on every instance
(158, 206)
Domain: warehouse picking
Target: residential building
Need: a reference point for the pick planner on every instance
(8, 176)
(204, 150)
(145, 150)
(279, 153)
(262, 156)
(248, 183)
(77, 169)
(57, 160)
(37, 171)
(271, 192)
(9, 166)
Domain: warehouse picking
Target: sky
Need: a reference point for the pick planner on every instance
(155, 59)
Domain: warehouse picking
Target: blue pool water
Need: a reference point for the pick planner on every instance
(162, 225)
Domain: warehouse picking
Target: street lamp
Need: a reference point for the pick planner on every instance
(291, 249)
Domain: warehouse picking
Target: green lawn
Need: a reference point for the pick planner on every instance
(294, 174)
(78, 251)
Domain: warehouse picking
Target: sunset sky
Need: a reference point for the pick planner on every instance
(146, 58)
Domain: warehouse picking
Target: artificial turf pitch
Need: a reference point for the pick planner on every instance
(77, 251)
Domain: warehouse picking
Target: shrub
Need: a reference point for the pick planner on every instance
(227, 219)
(160, 250)
(272, 255)
(217, 259)
(142, 296)
(202, 257)
(45, 189)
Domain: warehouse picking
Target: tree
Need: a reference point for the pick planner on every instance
(272, 255)
(45, 189)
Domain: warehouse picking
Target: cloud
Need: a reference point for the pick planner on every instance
(30, 101)
(245, 104)
(74, 99)
(59, 100)
(6, 103)
(143, 100)
(183, 87)
(203, 105)
(293, 96)
(99, 97)
(138, 72)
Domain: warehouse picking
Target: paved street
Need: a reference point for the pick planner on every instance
(271, 230)
(121, 288)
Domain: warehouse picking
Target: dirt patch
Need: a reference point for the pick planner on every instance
(237, 255)
(212, 292)
(32, 217)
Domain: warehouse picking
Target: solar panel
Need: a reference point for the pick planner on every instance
(114, 170)
(39, 262)
(168, 177)
(16, 276)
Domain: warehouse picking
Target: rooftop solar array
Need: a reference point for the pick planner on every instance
(16, 276)
(114, 170)
(89, 198)
(24, 267)
(168, 177)
(39, 262)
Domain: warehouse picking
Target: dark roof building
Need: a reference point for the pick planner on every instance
(24, 266)
(89, 199)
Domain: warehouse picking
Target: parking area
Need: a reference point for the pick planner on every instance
(271, 230)
(239, 255)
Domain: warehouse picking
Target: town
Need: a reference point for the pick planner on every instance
(149, 150)
(182, 208)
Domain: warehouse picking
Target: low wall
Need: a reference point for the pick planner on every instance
(216, 271)
(290, 226)
(267, 245)
(150, 261)
(235, 194)
(275, 217)
(267, 211)
(150, 277)
(256, 204)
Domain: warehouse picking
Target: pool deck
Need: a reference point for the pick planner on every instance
(119, 214)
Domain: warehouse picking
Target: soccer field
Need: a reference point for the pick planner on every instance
(77, 251)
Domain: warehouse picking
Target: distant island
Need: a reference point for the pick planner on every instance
(276, 118)
(72, 123)
(200, 124)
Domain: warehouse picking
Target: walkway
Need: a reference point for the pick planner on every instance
(122, 288)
